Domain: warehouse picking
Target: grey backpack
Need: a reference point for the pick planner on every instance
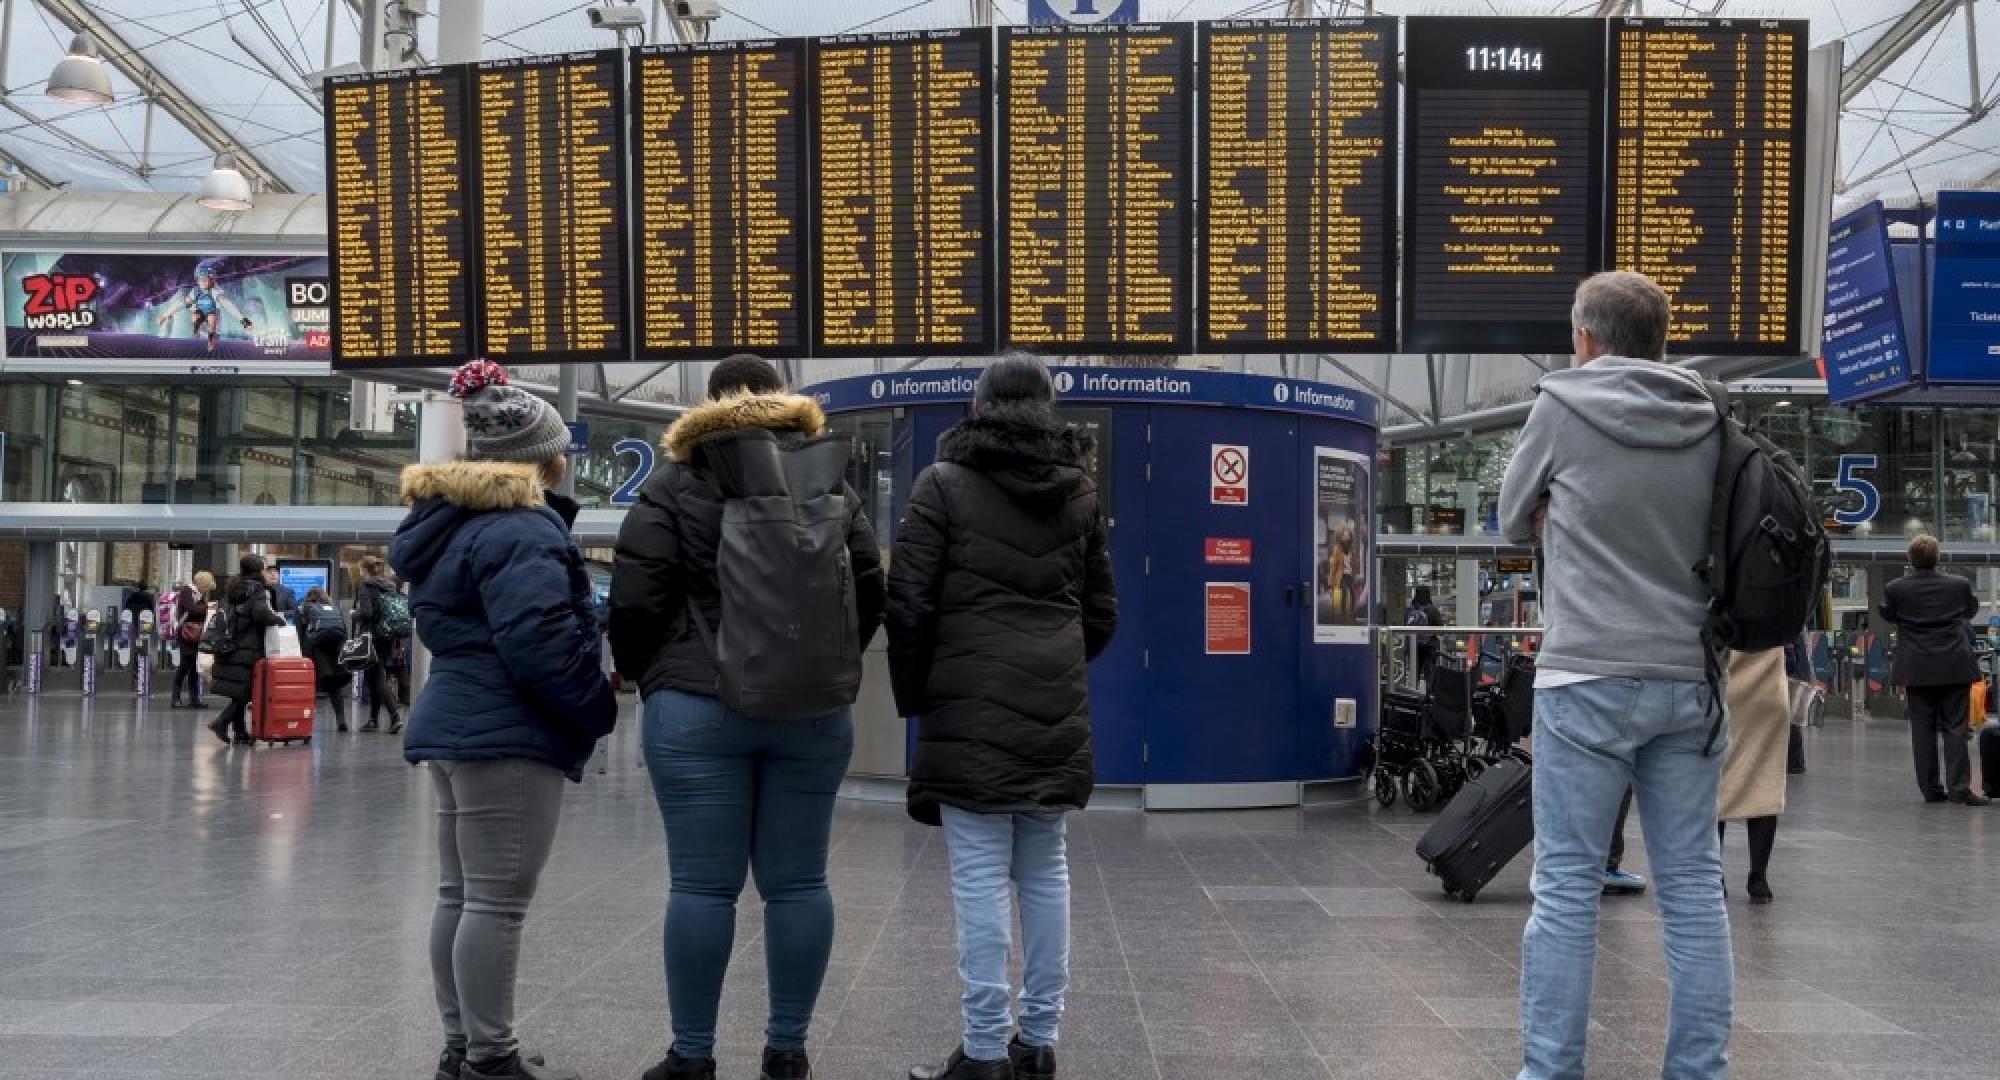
(788, 646)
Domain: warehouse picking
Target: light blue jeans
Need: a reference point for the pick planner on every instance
(989, 851)
(1592, 739)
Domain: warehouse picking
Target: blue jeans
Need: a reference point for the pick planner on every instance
(988, 851)
(1592, 740)
(744, 795)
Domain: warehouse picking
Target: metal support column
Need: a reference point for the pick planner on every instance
(566, 390)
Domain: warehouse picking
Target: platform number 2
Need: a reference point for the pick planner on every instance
(628, 492)
(1846, 480)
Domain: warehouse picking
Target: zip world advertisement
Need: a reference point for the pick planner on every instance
(198, 310)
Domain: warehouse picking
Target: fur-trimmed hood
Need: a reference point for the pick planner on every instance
(1038, 463)
(474, 485)
(445, 496)
(772, 412)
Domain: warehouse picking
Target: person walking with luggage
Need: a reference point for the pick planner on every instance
(191, 607)
(1000, 593)
(247, 613)
(382, 612)
(1936, 666)
(1613, 476)
(746, 584)
(325, 632)
(515, 703)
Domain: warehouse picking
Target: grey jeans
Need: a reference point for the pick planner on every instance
(496, 824)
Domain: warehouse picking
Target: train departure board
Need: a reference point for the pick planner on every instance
(1503, 162)
(551, 181)
(400, 217)
(903, 231)
(1298, 185)
(1708, 178)
(1097, 180)
(719, 145)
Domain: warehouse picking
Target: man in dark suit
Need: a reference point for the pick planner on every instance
(1935, 665)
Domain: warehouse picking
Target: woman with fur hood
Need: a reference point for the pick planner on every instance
(515, 703)
(739, 794)
(1000, 595)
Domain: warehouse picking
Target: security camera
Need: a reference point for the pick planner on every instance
(617, 17)
(698, 10)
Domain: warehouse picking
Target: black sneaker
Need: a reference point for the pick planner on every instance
(676, 1067)
(516, 1067)
(451, 1063)
(960, 1067)
(1031, 1062)
(786, 1065)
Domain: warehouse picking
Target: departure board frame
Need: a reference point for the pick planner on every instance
(985, 274)
(1313, 237)
(344, 318)
(1183, 257)
(741, 310)
(1499, 65)
(1618, 220)
(558, 200)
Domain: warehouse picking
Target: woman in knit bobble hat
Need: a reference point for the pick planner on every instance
(516, 699)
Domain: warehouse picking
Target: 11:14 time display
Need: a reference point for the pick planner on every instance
(1502, 58)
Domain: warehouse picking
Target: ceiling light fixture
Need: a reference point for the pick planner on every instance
(225, 188)
(80, 76)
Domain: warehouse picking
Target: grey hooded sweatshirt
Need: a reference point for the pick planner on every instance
(1625, 452)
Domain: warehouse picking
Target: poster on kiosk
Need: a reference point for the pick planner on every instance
(1341, 559)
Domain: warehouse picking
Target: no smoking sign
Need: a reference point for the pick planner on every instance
(1229, 475)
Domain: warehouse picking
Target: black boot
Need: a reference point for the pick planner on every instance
(451, 1063)
(515, 1067)
(786, 1065)
(676, 1067)
(220, 730)
(1760, 890)
(960, 1067)
(1031, 1062)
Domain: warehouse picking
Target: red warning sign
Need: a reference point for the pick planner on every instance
(1227, 551)
(1228, 618)
(1229, 473)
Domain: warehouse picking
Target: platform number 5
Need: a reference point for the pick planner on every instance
(1871, 499)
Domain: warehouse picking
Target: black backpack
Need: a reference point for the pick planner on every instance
(324, 621)
(788, 646)
(1768, 554)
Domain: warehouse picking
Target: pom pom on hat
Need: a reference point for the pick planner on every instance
(476, 375)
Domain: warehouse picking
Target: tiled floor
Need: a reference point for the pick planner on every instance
(172, 908)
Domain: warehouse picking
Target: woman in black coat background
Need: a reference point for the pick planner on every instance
(247, 602)
(1000, 594)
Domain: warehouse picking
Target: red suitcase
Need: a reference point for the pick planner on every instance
(283, 695)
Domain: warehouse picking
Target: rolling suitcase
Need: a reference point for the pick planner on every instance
(1481, 830)
(1989, 758)
(283, 695)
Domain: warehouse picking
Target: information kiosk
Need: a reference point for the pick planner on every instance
(1241, 515)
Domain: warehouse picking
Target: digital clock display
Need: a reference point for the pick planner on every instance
(1502, 58)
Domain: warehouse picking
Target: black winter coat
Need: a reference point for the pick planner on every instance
(666, 548)
(1000, 593)
(1932, 612)
(248, 603)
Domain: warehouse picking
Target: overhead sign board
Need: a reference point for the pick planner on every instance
(1866, 350)
(1965, 296)
(1080, 385)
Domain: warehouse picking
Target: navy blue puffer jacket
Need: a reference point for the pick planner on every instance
(501, 599)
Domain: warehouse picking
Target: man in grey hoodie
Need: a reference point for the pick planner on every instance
(1613, 476)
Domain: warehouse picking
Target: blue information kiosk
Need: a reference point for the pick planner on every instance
(1242, 522)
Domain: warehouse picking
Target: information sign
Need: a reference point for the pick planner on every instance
(1865, 349)
(1097, 177)
(1298, 182)
(1503, 164)
(1965, 299)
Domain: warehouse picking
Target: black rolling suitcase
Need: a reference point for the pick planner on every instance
(1989, 759)
(1481, 830)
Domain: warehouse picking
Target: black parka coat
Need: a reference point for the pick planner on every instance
(1000, 593)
